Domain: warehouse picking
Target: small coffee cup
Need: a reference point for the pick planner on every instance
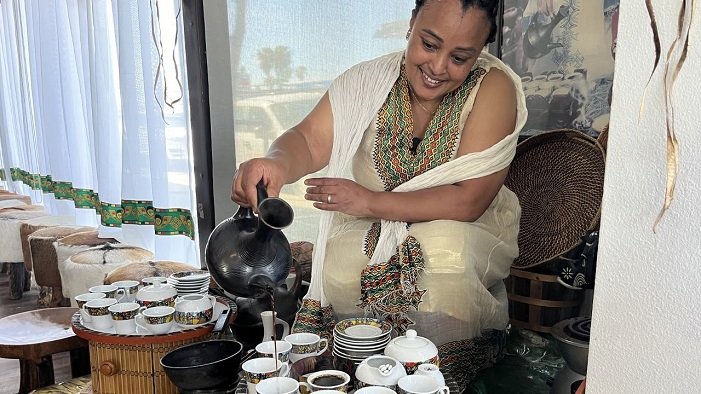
(124, 317)
(81, 299)
(374, 390)
(277, 385)
(194, 309)
(306, 344)
(327, 380)
(130, 288)
(111, 291)
(156, 320)
(257, 369)
(268, 348)
(98, 314)
(419, 384)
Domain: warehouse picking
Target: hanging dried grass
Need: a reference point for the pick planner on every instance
(674, 62)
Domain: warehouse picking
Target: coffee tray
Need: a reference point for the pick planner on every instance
(87, 331)
(308, 365)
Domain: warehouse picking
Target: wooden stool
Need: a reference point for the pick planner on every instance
(13, 196)
(11, 250)
(32, 337)
(90, 267)
(45, 262)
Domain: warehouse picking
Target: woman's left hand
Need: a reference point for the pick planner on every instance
(339, 194)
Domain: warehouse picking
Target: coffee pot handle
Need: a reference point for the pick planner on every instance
(247, 212)
(262, 193)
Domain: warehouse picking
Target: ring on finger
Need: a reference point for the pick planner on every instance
(328, 199)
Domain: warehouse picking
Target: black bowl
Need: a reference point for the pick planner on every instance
(203, 365)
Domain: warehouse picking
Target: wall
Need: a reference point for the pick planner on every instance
(646, 328)
(221, 106)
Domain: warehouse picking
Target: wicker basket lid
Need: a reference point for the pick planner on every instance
(558, 177)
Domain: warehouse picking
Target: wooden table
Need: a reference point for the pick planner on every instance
(124, 364)
(32, 337)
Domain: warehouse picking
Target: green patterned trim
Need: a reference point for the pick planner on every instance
(47, 184)
(138, 212)
(111, 214)
(174, 221)
(63, 190)
(85, 198)
(15, 174)
(166, 221)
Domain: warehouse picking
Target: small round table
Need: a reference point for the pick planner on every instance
(32, 337)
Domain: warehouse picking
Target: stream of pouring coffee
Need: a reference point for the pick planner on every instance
(271, 293)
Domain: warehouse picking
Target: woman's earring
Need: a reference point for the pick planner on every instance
(408, 33)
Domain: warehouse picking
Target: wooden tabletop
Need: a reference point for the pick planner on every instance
(38, 333)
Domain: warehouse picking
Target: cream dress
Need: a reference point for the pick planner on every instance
(464, 263)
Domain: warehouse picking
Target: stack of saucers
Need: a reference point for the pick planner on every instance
(190, 282)
(359, 338)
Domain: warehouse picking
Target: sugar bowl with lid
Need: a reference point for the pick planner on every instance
(157, 294)
(412, 350)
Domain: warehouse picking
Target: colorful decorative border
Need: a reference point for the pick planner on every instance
(166, 221)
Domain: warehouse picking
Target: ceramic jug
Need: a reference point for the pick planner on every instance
(248, 255)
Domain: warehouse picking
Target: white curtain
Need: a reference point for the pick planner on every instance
(94, 119)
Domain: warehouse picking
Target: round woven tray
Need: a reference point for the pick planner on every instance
(558, 177)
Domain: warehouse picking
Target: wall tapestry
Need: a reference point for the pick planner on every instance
(563, 50)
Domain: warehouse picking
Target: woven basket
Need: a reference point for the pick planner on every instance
(558, 177)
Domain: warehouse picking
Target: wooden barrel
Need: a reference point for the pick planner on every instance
(538, 301)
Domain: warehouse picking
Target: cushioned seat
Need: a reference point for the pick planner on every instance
(11, 245)
(138, 271)
(14, 196)
(45, 262)
(89, 268)
(78, 242)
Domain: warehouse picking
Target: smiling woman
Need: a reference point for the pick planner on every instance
(420, 235)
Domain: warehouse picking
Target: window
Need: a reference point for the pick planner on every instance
(284, 55)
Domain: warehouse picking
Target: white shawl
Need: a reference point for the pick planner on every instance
(356, 96)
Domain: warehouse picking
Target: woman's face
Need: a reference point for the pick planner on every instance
(443, 46)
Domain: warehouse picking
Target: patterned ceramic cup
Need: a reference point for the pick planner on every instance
(130, 288)
(267, 349)
(374, 390)
(111, 291)
(124, 317)
(418, 384)
(194, 309)
(156, 320)
(81, 299)
(98, 314)
(327, 380)
(258, 369)
(306, 344)
(278, 385)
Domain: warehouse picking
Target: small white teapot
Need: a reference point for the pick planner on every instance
(157, 294)
(379, 370)
(412, 350)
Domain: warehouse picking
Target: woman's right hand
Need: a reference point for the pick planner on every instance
(247, 176)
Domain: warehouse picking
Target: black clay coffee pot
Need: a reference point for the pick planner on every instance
(248, 255)
(537, 41)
